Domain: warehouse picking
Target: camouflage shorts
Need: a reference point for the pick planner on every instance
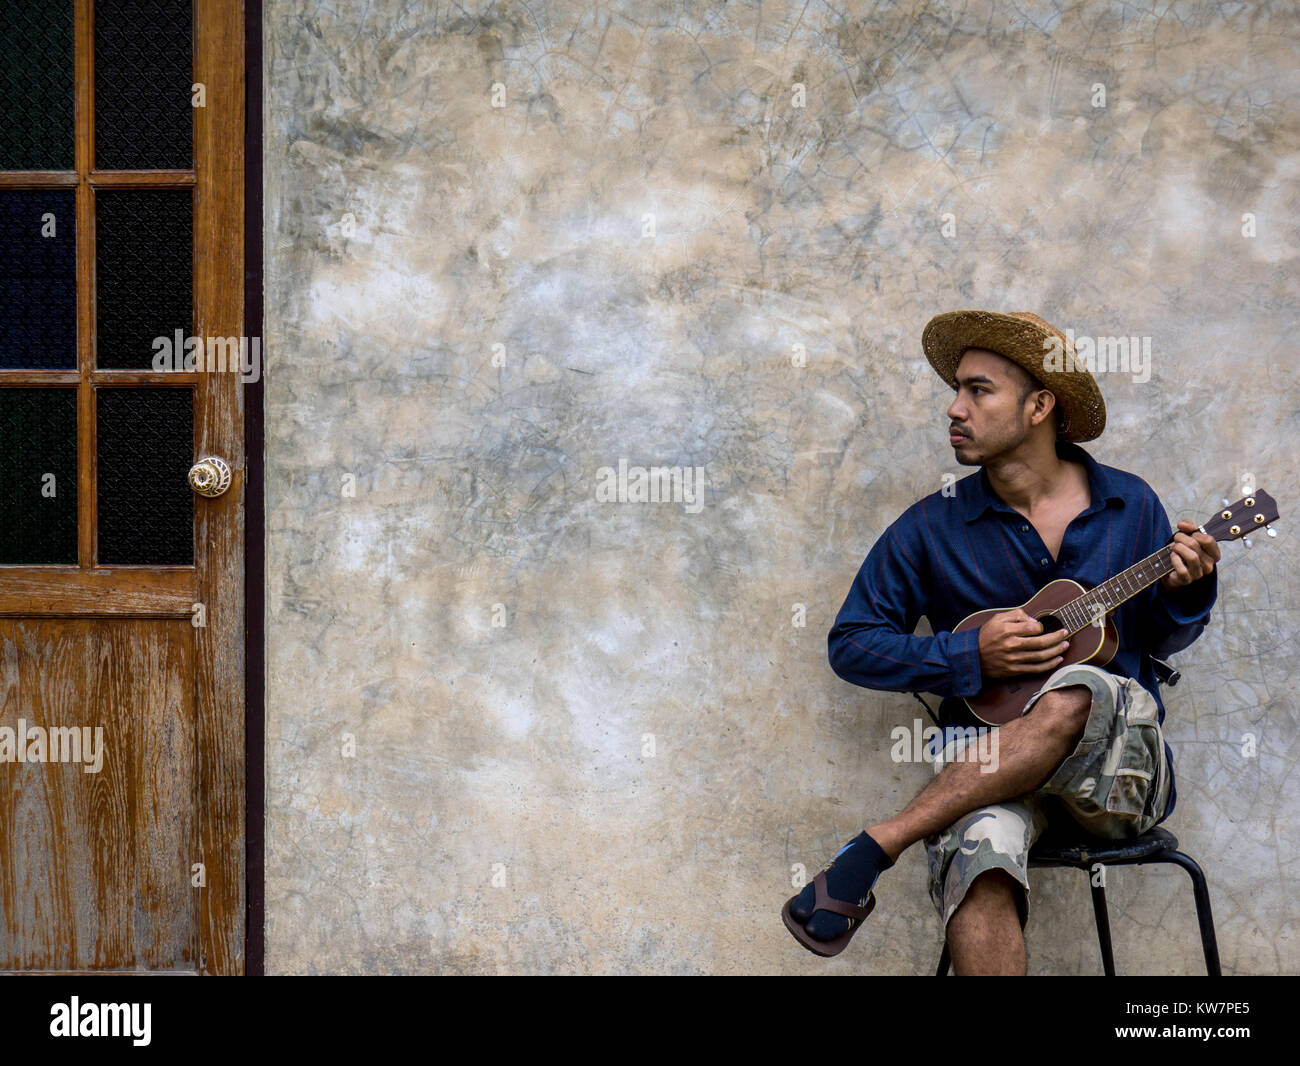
(1115, 784)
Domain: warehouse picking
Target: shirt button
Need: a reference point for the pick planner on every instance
(1042, 562)
(1024, 529)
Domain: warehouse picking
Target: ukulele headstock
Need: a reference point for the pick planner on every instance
(1240, 519)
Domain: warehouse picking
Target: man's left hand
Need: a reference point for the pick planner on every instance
(1194, 556)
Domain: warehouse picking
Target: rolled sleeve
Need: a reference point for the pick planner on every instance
(964, 653)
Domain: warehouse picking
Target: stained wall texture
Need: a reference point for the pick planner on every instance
(509, 245)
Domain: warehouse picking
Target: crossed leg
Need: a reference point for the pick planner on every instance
(984, 933)
(1029, 751)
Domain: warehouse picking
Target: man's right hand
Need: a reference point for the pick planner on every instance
(1014, 643)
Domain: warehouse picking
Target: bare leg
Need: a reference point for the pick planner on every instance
(1029, 749)
(984, 933)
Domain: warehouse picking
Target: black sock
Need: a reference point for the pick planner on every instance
(849, 878)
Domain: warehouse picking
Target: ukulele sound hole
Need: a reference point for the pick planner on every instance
(1050, 623)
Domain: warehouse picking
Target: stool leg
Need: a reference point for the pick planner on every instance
(945, 960)
(1204, 916)
(1103, 926)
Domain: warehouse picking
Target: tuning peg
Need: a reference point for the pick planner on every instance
(1272, 532)
(1225, 501)
(1248, 490)
(1246, 542)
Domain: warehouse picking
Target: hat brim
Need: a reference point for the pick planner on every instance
(947, 336)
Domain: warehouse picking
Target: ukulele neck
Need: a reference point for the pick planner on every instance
(1095, 604)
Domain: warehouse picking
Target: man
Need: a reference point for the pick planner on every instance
(1089, 746)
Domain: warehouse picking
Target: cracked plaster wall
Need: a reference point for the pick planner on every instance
(411, 228)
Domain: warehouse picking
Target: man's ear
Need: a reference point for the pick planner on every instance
(1044, 404)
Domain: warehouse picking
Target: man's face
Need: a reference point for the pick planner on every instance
(987, 418)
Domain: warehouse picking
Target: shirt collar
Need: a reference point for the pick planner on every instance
(979, 494)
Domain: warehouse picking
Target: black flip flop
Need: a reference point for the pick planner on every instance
(824, 902)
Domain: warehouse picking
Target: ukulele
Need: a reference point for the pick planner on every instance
(1085, 615)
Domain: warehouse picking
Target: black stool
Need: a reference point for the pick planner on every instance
(1156, 845)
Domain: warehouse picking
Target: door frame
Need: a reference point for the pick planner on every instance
(220, 652)
(254, 511)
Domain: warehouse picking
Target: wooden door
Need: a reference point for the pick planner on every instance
(121, 587)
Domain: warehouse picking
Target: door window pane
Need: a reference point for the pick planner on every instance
(143, 273)
(144, 119)
(36, 80)
(146, 505)
(38, 475)
(38, 279)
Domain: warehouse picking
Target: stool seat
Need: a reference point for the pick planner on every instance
(1075, 849)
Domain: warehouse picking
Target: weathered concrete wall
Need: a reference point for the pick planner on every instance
(472, 309)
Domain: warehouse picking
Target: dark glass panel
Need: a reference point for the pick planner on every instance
(38, 475)
(145, 505)
(36, 79)
(38, 279)
(143, 73)
(143, 273)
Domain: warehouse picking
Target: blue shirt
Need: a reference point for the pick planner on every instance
(948, 556)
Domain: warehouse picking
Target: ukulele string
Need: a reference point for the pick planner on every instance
(1081, 616)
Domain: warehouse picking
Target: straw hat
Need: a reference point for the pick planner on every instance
(1037, 347)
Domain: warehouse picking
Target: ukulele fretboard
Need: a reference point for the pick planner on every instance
(1093, 606)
